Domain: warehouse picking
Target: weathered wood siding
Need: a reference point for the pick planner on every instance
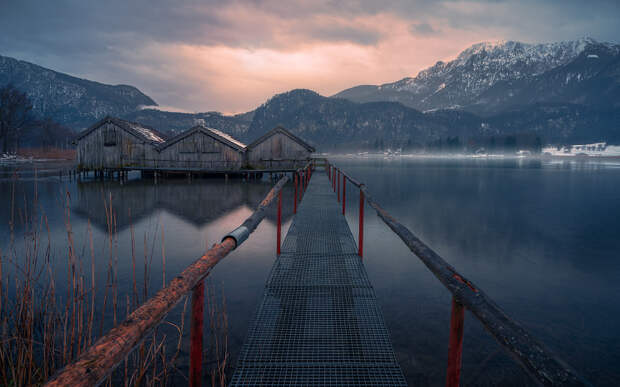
(200, 151)
(277, 151)
(109, 146)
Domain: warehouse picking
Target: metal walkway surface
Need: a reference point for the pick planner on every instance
(318, 323)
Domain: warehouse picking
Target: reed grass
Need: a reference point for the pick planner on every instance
(44, 326)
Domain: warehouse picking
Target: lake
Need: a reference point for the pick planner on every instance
(540, 237)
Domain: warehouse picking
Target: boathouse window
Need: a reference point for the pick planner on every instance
(209, 145)
(277, 148)
(109, 136)
(187, 145)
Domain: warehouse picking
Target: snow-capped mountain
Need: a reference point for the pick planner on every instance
(462, 82)
(71, 101)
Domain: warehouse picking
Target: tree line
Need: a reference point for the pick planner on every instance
(500, 143)
(20, 127)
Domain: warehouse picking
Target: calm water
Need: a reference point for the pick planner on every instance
(540, 237)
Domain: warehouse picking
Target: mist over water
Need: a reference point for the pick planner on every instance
(540, 237)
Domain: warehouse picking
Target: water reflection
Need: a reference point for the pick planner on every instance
(198, 202)
(539, 236)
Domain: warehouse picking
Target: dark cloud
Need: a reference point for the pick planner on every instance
(422, 29)
(121, 41)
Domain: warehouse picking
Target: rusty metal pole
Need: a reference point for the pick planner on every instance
(360, 238)
(279, 220)
(295, 197)
(338, 178)
(455, 349)
(196, 337)
(344, 193)
(300, 187)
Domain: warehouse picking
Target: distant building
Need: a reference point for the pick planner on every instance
(201, 148)
(278, 149)
(113, 143)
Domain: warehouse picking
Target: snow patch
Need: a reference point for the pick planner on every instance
(227, 137)
(147, 133)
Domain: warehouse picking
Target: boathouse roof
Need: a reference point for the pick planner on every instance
(220, 136)
(143, 132)
(282, 130)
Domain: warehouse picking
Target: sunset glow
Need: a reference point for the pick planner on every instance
(232, 56)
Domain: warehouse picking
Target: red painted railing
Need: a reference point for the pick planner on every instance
(94, 365)
(541, 364)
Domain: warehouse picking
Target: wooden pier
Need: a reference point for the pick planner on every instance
(318, 322)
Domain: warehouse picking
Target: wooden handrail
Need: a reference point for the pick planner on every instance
(541, 364)
(99, 360)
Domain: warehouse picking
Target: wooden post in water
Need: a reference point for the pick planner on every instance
(196, 335)
(455, 348)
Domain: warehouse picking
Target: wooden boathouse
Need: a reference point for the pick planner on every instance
(116, 145)
(113, 143)
(201, 148)
(278, 149)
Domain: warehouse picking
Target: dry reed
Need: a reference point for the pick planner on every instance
(42, 329)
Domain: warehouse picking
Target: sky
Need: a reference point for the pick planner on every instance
(231, 56)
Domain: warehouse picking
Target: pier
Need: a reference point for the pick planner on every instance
(318, 322)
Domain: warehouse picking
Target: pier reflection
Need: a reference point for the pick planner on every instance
(197, 202)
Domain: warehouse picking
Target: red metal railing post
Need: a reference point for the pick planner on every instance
(279, 220)
(344, 193)
(360, 238)
(301, 189)
(196, 335)
(338, 178)
(455, 348)
(295, 197)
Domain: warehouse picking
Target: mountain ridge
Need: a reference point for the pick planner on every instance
(553, 92)
(72, 101)
(459, 83)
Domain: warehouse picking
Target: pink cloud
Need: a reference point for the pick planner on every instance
(234, 78)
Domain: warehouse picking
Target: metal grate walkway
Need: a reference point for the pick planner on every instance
(318, 322)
